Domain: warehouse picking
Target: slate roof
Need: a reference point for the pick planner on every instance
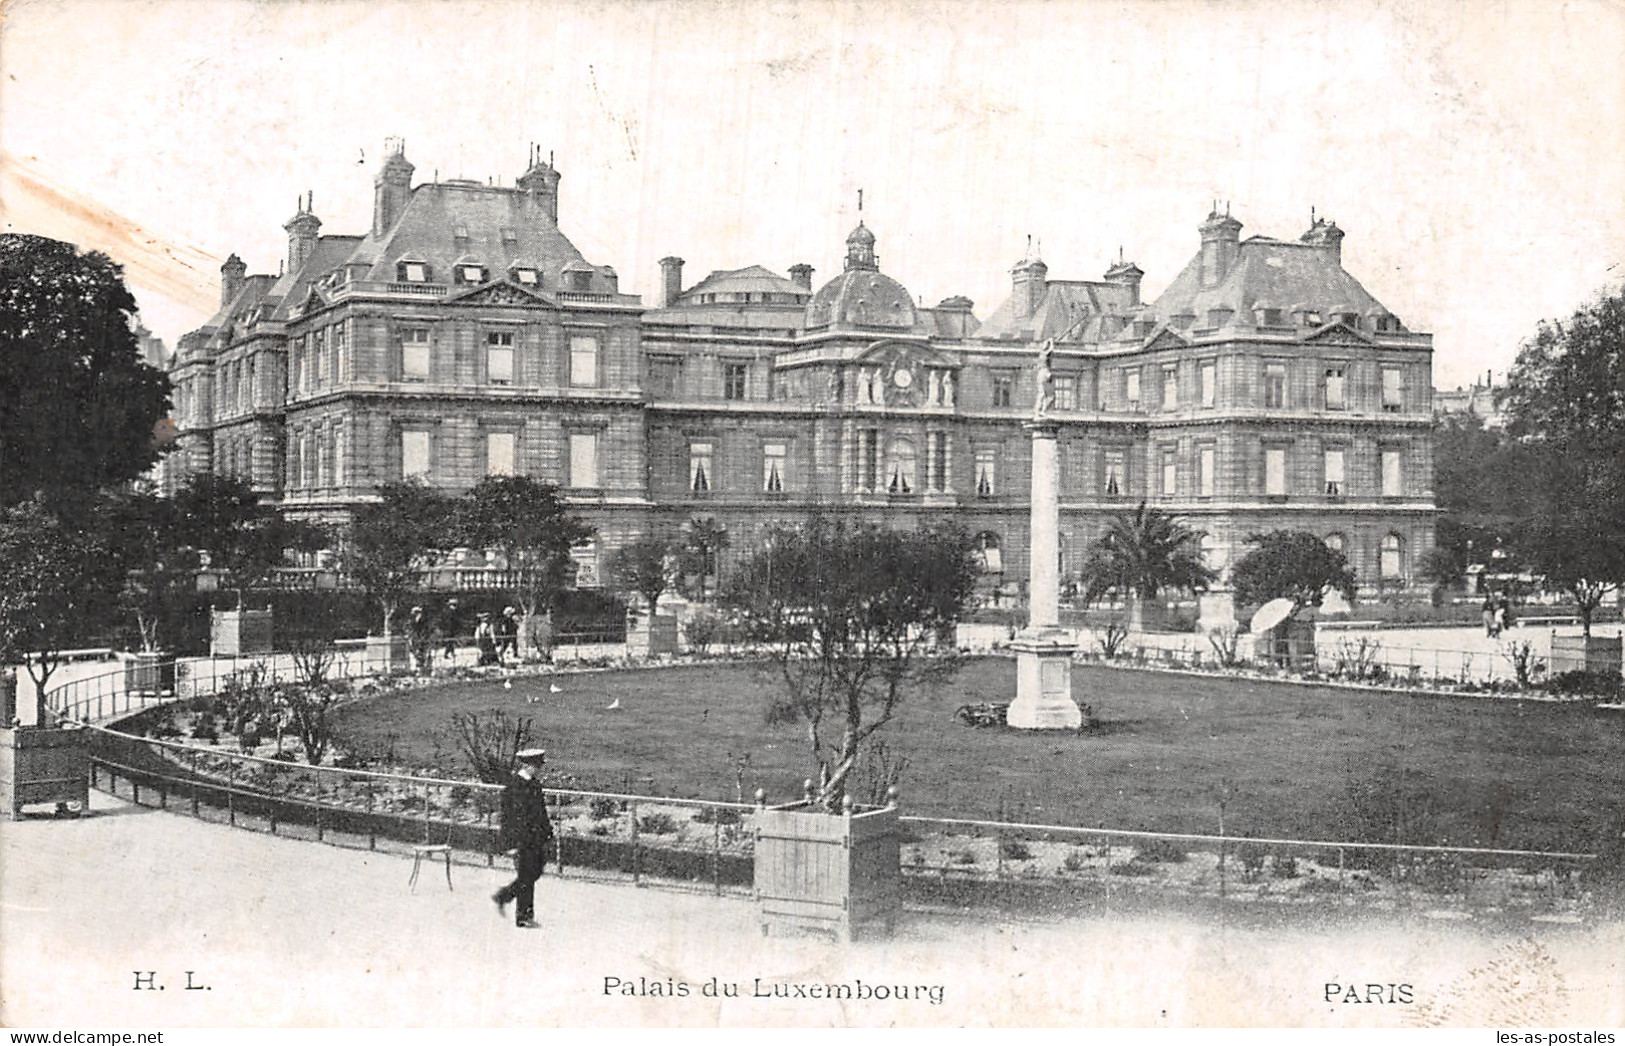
(1269, 273)
(435, 211)
(862, 298)
(292, 288)
(752, 279)
(1074, 306)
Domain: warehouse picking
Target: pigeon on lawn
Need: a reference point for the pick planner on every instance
(613, 705)
(554, 688)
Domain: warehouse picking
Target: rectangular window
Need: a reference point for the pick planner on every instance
(986, 472)
(774, 459)
(1170, 388)
(1066, 392)
(936, 461)
(1275, 471)
(700, 469)
(1131, 388)
(1391, 479)
(1272, 318)
(666, 376)
(414, 272)
(319, 358)
(415, 454)
(1208, 378)
(734, 376)
(528, 277)
(1336, 389)
(471, 273)
(1170, 472)
(1334, 474)
(1274, 384)
(1004, 388)
(1393, 390)
(1204, 471)
(868, 459)
(583, 360)
(584, 460)
(1114, 478)
(499, 357)
(341, 358)
(415, 354)
(499, 453)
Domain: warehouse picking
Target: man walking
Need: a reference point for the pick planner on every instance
(526, 831)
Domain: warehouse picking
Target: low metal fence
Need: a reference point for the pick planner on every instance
(695, 844)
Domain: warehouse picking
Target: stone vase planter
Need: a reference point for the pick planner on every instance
(43, 765)
(149, 672)
(234, 633)
(388, 653)
(839, 874)
(1581, 653)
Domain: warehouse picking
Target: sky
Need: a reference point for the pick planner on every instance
(1474, 153)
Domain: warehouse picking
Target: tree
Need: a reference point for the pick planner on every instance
(1565, 397)
(702, 543)
(1290, 564)
(149, 534)
(1145, 552)
(78, 405)
(528, 524)
(388, 542)
(244, 539)
(641, 566)
(850, 615)
(59, 581)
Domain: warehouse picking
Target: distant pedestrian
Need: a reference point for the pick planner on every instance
(526, 831)
(451, 622)
(1489, 614)
(419, 630)
(485, 638)
(507, 629)
(1503, 613)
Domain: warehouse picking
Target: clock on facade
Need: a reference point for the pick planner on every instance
(902, 377)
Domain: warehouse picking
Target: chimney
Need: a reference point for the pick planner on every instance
(541, 181)
(801, 275)
(1126, 274)
(1028, 285)
(391, 188)
(671, 280)
(1221, 242)
(231, 278)
(1327, 236)
(302, 229)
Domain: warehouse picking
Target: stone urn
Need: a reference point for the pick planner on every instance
(834, 873)
(234, 633)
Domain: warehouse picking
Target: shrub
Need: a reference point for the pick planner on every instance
(1320, 885)
(1074, 861)
(1252, 858)
(657, 824)
(1133, 869)
(1284, 866)
(1580, 683)
(718, 815)
(459, 795)
(1160, 851)
(1015, 850)
(961, 857)
(603, 808)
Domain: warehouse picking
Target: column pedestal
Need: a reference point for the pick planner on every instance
(1043, 682)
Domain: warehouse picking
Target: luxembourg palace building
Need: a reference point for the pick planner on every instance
(464, 335)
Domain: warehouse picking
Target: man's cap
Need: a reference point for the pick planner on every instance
(483, 613)
(417, 610)
(530, 755)
(509, 610)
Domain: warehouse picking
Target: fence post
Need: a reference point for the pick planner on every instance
(425, 813)
(716, 850)
(194, 782)
(637, 847)
(372, 824)
(319, 806)
(231, 794)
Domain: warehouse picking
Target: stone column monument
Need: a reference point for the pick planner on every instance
(1043, 651)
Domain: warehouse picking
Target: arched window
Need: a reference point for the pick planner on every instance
(1392, 558)
(900, 467)
(987, 546)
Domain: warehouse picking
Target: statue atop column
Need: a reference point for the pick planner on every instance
(1044, 401)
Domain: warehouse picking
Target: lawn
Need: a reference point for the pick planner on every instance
(1287, 761)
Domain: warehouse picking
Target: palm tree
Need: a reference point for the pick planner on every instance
(703, 539)
(1142, 553)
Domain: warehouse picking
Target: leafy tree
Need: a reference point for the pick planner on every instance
(641, 566)
(850, 614)
(149, 534)
(1144, 552)
(244, 539)
(59, 581)
(1290, 564)
(530, 526)
(700, 550)
(1565, 398)
(389, 541)
(78, 405)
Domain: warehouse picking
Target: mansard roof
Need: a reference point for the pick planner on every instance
(752, 279)
(292, 289)
(503, 226)
(1073, 308)
(1269, 273)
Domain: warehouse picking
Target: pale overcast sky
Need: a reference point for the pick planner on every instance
(1474, 153)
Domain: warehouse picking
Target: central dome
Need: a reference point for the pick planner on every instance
(862, 296)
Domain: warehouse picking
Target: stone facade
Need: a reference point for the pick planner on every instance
(464, 335)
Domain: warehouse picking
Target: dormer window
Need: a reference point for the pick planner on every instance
(528, 277)
(460, 232)
(510, 234)
(470, 273)
(1271, 317)
(581, 281)
(1311, 318)
(1351, 320)
(412, 272)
